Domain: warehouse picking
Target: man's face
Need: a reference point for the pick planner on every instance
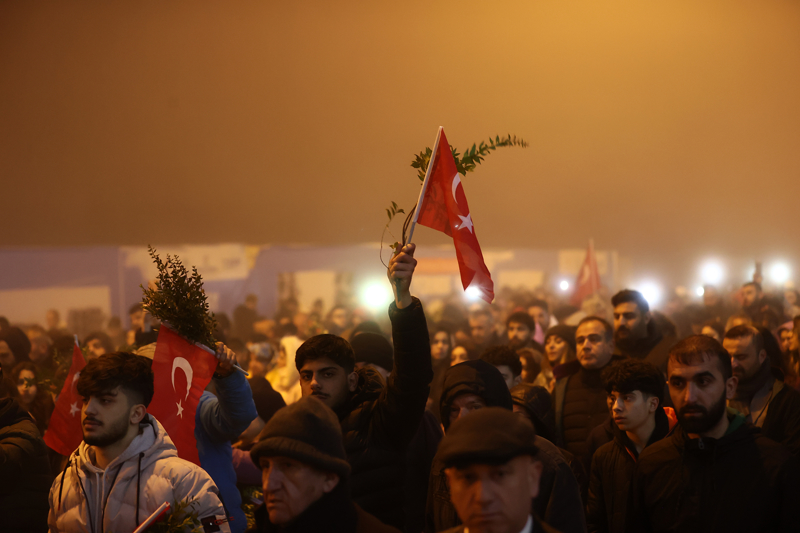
(105, 418)
(137, 320)
(745, 361)
(786, 340)
(290, 487)
(518, 334)
(464, 404)
(96, 348)
(327, 381)
(699, 393)
(594, 347)
(257, 367)
(7, 359)
(495, 498)
(480, 327)
(508, 375)
(750, 295)
(339, 317)
(540, 316)
(440, 346)
(631, 410)
(630, 322)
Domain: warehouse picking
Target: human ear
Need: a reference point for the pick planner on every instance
(138, 412)
(352, 381)
(534, 475)
(653, 404)
(517, 380)
(730, 387)
(762, 356)
(330, 482)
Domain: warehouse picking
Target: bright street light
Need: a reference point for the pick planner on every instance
(564, 285)
(700, 291)
(651, 293)
(376, 295)
(712, 272)
(472, 293)
(780, 273)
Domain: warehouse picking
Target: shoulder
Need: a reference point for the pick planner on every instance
(659, 455)
(607, 450)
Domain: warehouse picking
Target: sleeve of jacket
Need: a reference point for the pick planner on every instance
(16, 448)
(225, 416)
(596, 518)
(196, 485)
(398, 411)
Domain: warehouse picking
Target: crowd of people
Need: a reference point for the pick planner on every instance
(524, 415)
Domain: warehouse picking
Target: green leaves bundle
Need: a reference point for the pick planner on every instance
(179, 300)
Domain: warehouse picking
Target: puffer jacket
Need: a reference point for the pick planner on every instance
(25, 477)
(739, 482)
(378, 421)
(613, 466)
(559, 501)
(149, 472)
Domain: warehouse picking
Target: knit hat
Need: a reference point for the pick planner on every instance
(307, 431)
(373, 348)
(18, 343)
(567, 333)
(492, 435)
(268, 401)
(473, 377)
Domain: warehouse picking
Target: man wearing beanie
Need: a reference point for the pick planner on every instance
(493, 474)
(469, 388)
(373, 350)
(306, 476)
(378, 418)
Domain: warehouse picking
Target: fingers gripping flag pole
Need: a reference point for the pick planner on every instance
(443, 206)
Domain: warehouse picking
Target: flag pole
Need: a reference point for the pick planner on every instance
(425, 184)
(593, 265)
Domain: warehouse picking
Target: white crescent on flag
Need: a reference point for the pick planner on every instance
(183, 364)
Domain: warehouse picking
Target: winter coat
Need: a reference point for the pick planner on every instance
(580, 405)
(220, 420)
(559, 501)
(25, 476)
(782, 421)
(334, 512)
(740, 482)
(538, 526)
(419, 461)
(654, 348)
(149, 472)
(379, 420)
(613, 466)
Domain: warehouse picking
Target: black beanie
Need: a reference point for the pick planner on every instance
(307, 431)
(567, 333)
(492, 435)
(373, 348)
(18, 343)
(267, 399)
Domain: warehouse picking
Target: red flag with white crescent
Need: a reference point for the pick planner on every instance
(64, 433)
(181, 371)
(444, 208)
(588, 280)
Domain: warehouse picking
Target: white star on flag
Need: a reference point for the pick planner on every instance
(180, 409)
(466, 222)
(73, 408)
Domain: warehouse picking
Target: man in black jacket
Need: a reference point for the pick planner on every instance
(635, 392)
(764, 400)
(469, 387)
(636, 334)
(25, 477)
(714, 472)
(377, 421)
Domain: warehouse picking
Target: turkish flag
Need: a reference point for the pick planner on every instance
(444, 208)
(64, 433)
(181, 371)
(588, 281)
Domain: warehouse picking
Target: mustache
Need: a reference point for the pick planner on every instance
(693, 409)
(90, 419)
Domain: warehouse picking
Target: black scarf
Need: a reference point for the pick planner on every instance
(333, 512)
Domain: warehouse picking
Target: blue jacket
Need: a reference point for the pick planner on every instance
(219, 420)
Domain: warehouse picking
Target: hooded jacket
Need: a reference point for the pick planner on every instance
(24, 471)
(379, 420)
(740, 482)
(559, 501)
(149, 472)
(613, 467)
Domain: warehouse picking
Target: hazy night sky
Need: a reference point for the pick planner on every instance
(668, 130)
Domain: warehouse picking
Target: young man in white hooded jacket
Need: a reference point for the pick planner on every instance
(126, 466)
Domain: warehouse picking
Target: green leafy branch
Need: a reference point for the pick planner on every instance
(179, 300)
(181, 519)
(472, 157)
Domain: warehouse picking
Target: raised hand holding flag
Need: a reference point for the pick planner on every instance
(64, 433)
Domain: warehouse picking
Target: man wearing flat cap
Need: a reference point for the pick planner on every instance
(306, 476)
(493, 474)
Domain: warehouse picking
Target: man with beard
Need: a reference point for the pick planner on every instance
(766, 401)
(520, 328)
(636, 334)
(378, 419)
(762, 310)
(481, 329)
(714, 472)
(126, 466)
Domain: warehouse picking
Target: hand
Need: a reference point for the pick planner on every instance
(401, 269)
(225, 361)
